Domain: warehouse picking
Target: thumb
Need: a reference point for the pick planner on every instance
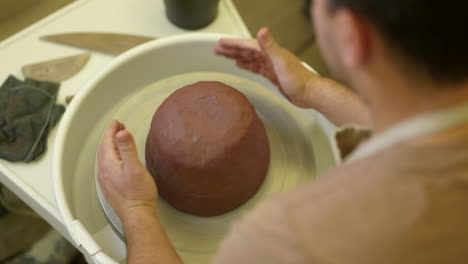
(126, 146)
(268, 44)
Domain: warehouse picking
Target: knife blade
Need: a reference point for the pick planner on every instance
(56, 70)
(108, 43)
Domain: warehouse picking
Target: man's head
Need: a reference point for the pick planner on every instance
(427, 37)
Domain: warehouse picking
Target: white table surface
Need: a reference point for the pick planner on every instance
(32, 182)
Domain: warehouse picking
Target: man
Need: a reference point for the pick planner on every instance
(400, 198)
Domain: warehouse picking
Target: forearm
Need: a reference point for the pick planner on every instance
(147, 242)
(336, 102)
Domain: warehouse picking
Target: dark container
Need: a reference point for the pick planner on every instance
(191, 14)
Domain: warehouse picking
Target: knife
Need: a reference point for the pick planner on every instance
(109, 43)
(56, 70)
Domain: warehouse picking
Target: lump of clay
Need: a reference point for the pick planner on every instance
(207, 149)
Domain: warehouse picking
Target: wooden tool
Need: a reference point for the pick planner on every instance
(109, 43)
(56, 70)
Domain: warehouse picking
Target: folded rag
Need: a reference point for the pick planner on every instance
(27, 113)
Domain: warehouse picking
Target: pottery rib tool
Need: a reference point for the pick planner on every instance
(108, 43)
(56, 70)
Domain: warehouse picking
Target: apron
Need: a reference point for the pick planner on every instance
(415, 127)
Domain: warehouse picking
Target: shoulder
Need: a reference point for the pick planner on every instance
(353, 208)
(325, 218)
(262, 236)
(273, 231)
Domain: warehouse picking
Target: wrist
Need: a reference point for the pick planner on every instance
(136, 213)
(317, 91)
(310, 92)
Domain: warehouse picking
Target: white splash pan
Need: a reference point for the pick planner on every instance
(109, 92)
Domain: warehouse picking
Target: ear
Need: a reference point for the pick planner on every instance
(354, 40)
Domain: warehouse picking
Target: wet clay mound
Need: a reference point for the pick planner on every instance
(207, 149)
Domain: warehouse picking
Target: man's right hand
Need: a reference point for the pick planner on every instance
(264, 56)
(125, 182)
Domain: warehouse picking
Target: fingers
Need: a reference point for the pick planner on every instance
(108, 149)
(268, 44)
(237, 44)
(247, 65)
(121, 126)
(239, 54)
(127, 148)
(247, 53)
(238, 49)
(112, 129)
(250, 55)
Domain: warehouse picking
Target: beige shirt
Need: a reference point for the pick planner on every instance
(406, 204)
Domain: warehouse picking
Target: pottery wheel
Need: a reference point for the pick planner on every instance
(291, 164)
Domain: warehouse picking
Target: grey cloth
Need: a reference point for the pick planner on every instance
(27, 113)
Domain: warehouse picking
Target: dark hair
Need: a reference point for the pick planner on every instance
(432, 33)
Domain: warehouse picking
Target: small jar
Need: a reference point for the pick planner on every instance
(191, 14)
